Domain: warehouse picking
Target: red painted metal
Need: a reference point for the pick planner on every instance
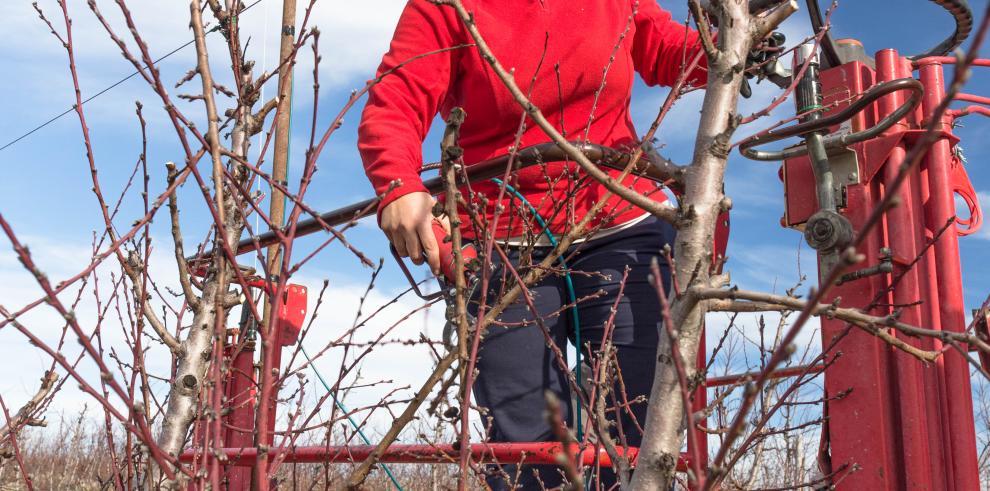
(468, 252)
(239, 395)
(976, 99)
(239, 391)
(904, 425)
(525, 453)
(940, 208)
(983, 111)
(782, 373)
(291, 315)
(947, 60)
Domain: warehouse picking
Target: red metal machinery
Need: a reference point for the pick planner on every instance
(903, 425)
(913, 424)
(239, 394)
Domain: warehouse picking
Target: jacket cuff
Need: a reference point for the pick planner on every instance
(407, 186)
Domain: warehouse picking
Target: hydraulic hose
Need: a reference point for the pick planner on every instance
(958, 8)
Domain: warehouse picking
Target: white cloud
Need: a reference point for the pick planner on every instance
(165, 26)
(18, 288)
(37, 66)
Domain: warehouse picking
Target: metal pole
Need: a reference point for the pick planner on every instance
(276, 214)
(913, 441)
(283, 114)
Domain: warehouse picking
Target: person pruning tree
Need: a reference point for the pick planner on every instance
(576, 61)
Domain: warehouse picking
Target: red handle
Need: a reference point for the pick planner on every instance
(468, 252)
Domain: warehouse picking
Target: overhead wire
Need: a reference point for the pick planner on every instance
(115, 84)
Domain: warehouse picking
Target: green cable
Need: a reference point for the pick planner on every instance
(341, 406)
(568, 283)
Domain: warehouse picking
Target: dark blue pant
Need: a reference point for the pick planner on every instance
(515, 366)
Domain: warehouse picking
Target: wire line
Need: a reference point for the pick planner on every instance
(569, 283)
(111, 86)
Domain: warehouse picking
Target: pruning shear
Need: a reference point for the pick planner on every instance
(468, 252)
(446, 279)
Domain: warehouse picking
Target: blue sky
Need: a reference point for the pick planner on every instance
(45, 185)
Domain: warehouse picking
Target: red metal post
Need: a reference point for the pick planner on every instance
(699, 402)
(239, 401)
(901, 227)
(940, 208)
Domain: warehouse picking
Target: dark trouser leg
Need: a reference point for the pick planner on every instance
(515, 369)
(637, 318)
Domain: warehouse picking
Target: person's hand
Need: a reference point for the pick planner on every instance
(408, 224)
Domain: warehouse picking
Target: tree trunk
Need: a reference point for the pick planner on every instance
(701, 204)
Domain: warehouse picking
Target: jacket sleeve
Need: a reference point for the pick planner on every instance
(402, 105)
(661, 46)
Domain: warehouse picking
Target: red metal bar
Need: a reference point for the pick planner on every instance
(933, 381)
(526, 453)
(901, 228)
(977, 99)
(956, 113)
(947, 60)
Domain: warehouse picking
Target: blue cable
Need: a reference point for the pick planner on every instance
(568, 283)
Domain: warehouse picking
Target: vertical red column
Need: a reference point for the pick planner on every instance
(901, 227)
(939, 209)
(240, 402)
(932, 376)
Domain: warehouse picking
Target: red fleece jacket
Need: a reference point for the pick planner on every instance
(557, 50)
